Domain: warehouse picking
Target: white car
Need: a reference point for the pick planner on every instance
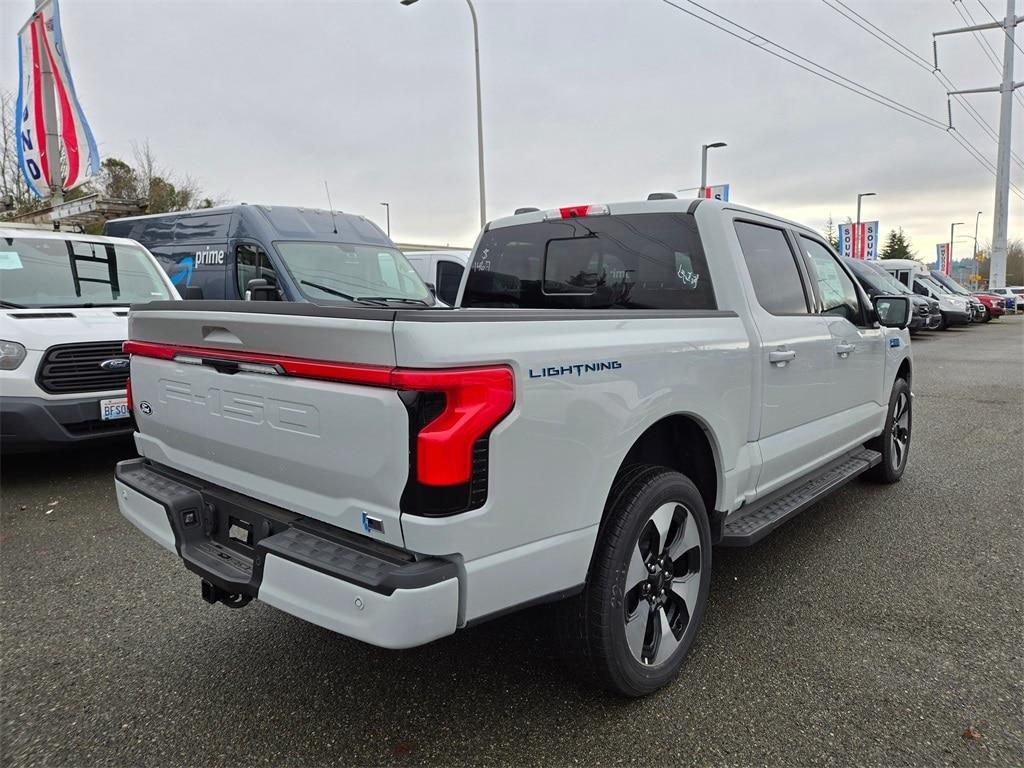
(63, 317)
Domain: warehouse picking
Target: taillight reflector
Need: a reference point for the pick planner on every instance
(476, 399)
(128, 395)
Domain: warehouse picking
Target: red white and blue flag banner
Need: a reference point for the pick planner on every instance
(859, 243)
(721, 192)
(41, 46)
(942, 258)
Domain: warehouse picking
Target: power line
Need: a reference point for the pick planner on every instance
(986, 46)
(849, 84)
(877, 32)
(997, 21)
(844, 82)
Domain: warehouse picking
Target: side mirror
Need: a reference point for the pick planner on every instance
(258, 289)
(193, 292)
(892, 311)
(432, 288)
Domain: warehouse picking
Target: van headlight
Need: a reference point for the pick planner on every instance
(12, 354)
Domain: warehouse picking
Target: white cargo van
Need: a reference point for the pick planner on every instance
(441, 271)
(63, 318)
(956, 310)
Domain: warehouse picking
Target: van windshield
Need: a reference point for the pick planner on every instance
(49, 272)
(332, 271)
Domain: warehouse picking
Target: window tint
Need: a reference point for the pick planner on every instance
(636, 261)
(772, 268)
(449, 276)
(836, 289)
(251, 263)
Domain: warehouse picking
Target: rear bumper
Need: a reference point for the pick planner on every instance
(360, 588)
(31, 423)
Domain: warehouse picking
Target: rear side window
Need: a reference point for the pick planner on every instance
(449, 276)
(635, 261)
(772, 268)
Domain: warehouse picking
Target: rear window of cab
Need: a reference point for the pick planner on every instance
(634, 261)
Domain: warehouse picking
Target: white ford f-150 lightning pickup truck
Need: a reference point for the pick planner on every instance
(620, 388)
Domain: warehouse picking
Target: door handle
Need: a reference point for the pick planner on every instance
(780, 357)
(843, 349)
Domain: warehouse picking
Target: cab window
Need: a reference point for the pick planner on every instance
(772, 267)
(835, 288)
(251, 263)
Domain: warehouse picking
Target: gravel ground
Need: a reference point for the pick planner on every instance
(874, 629)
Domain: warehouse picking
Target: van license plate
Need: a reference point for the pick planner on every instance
(114, 408)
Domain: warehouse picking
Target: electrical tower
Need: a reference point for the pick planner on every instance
(997, 270)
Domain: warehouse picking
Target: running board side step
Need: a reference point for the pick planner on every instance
(750, 525)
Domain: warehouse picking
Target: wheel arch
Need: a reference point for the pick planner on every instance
(682, 442)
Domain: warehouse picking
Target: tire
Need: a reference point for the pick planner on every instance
(894, 442)
(988, 316)
(942, 323)
(650, 574)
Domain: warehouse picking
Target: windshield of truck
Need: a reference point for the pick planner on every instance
(949, 283)
(349, 272)
(636, 261)
(884, 280)
(48, 272)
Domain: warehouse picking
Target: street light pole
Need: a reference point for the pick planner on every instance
(856, 229)
(704, 164)
(387, 210)
(479, 111)
(974, 255)
(949, 253)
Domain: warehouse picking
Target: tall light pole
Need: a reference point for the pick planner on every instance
(387, 209)
(479, 111)
(856, 230)
(949, 253)
(974, 255)
(704, 164)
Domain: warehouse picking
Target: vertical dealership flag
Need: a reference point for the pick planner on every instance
(41, 48)
(721, 192)
(942, 257)
(859, 242)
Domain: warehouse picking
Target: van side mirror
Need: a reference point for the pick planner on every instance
(432, 288)
(258, 289)
(892, 311)
(193, 293)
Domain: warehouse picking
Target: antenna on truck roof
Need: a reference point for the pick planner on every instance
(330, 206)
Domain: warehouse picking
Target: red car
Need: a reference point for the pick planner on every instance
(994, 306)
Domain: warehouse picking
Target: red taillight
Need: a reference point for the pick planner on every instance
(128, 394)
(476, 399)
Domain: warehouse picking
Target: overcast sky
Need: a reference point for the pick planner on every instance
(584, 101)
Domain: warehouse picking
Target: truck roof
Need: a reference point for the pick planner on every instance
(677, 205)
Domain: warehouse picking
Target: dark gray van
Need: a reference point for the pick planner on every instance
(276, 253)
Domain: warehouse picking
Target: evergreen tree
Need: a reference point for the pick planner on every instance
(897, 246)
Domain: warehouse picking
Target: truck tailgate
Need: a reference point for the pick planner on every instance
(333, 451)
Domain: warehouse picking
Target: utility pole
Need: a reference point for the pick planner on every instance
(1000, 218)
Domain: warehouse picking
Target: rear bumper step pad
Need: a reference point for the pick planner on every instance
(751, 525)
(225, 537)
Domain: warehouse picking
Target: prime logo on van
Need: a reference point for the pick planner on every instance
(209, 258)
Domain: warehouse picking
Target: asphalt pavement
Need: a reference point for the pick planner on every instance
(874, 629)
